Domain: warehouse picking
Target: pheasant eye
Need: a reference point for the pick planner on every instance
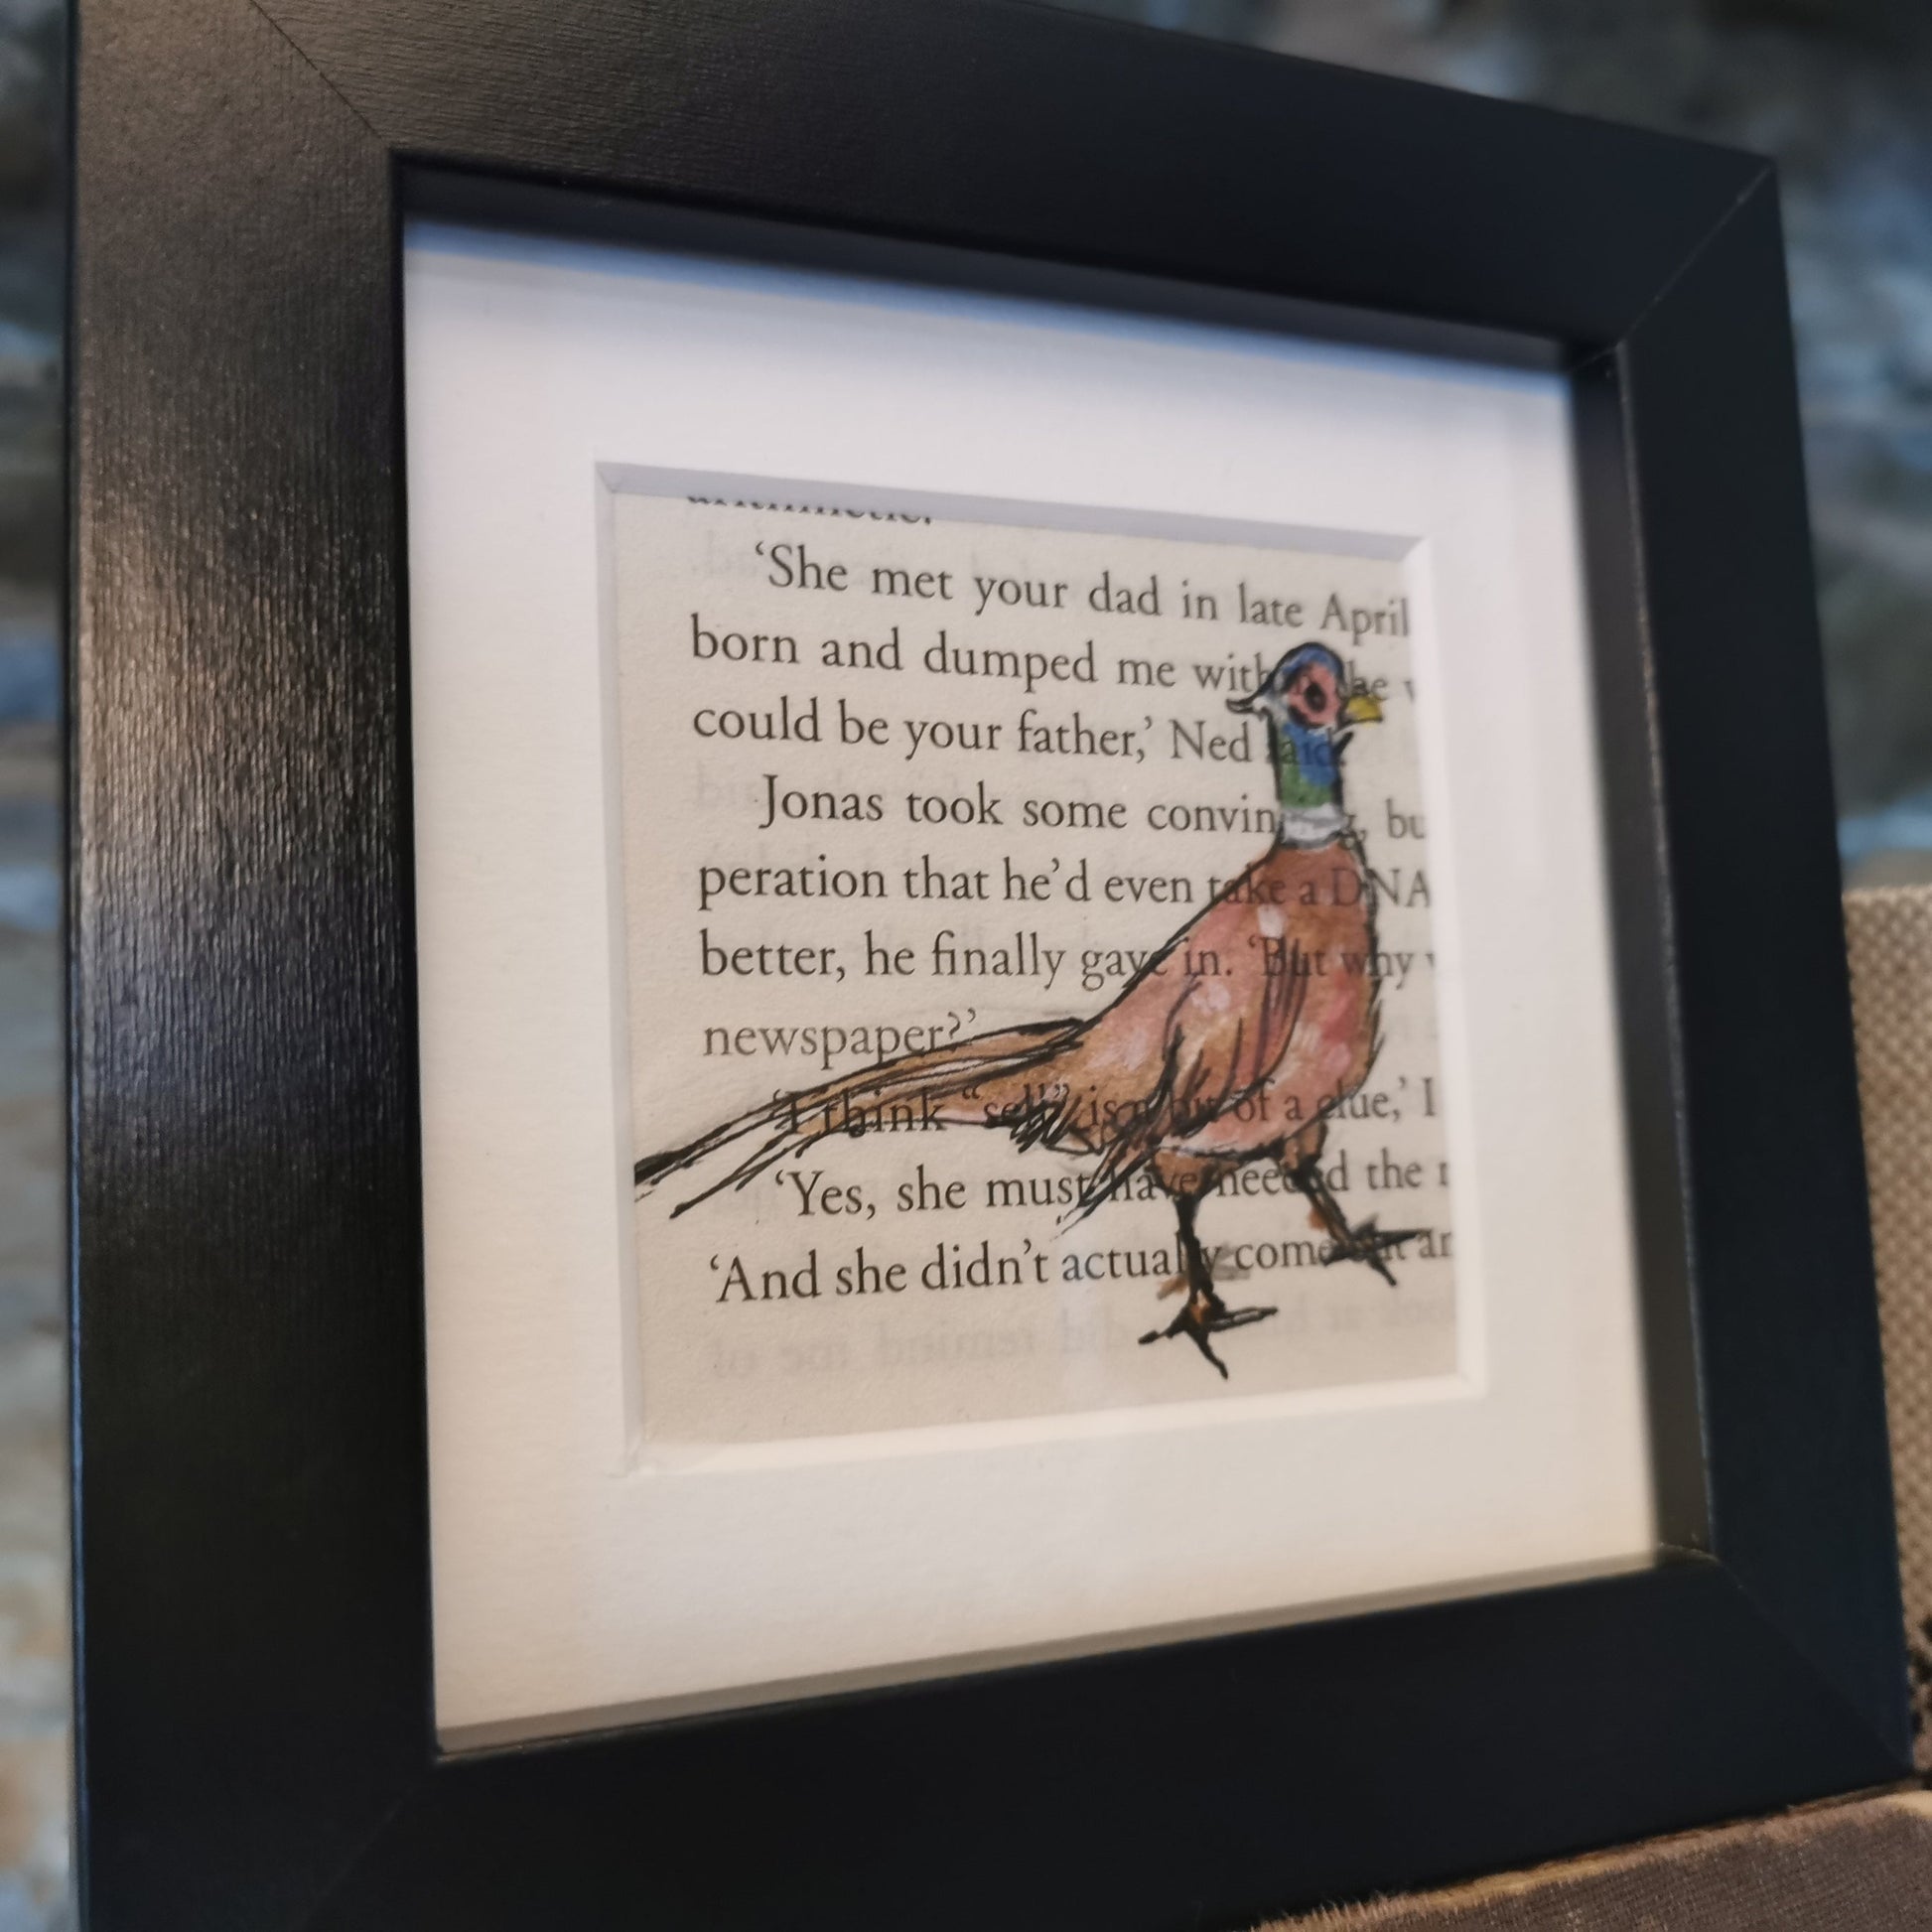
(1308, 700)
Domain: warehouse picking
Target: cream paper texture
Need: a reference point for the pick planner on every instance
(892, 782)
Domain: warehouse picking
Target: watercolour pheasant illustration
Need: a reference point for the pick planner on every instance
(1189, 1075)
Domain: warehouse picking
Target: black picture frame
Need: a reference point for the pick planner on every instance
(255, 1738)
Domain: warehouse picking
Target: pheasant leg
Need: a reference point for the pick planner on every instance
(1204, 1314)
(1366, 1243)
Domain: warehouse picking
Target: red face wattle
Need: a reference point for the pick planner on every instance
(1312, 699)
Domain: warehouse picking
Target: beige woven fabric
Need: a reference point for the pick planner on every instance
(1890, 935)
(1862, 1867)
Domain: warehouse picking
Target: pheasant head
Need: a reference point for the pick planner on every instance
(1311, 716)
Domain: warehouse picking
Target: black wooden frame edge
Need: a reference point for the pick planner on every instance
(1710, 388)
(1833, 1682)
(671, 84)
(247, 1534)
(500, 1838)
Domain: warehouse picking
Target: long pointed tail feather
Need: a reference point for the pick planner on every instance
(792, 1122)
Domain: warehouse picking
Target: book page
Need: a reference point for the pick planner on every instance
(1032, 994)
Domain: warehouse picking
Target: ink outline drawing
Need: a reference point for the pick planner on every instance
(1188, 1074)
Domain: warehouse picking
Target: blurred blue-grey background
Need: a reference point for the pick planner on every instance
(32, 1539)
(1839, 90)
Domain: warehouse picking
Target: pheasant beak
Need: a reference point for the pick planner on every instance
(1244, 704)
(1362, 708)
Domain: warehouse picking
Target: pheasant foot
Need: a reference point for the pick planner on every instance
(1203, 1315)
(1367, 1244)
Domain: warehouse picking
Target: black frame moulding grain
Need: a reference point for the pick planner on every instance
(256, 1743)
